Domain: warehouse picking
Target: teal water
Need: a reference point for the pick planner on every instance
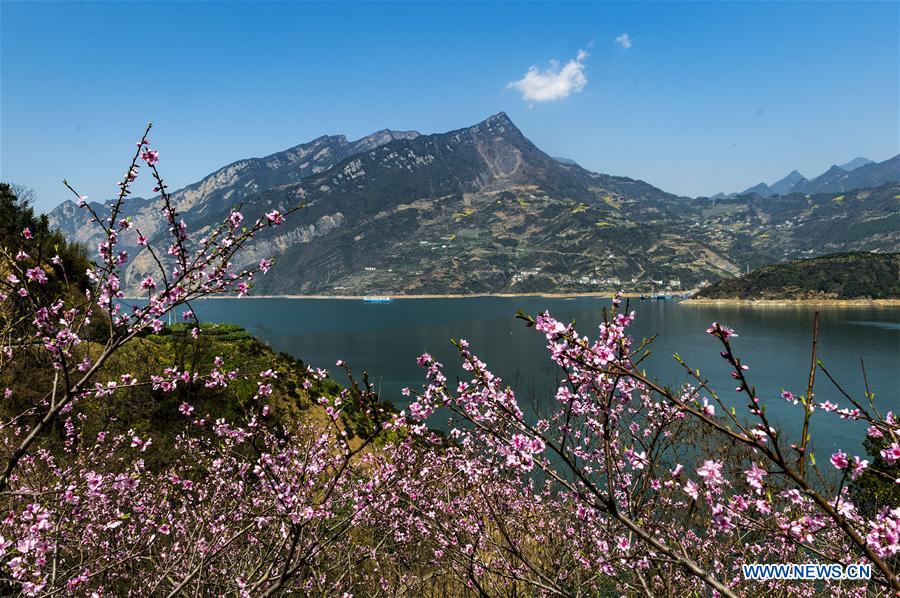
(385, 339)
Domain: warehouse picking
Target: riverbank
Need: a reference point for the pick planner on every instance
(599, 295)
(794, 302)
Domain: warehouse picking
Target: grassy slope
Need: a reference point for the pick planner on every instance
(156, 414)
(855, 275)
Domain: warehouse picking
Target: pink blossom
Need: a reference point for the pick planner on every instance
(150, 156)
(720, 330)
(754, 477)
(839, 460)
(891, 454)
(859, 465)
(36, 274)
(692, 489)
(711, 472)
(884, 533)
(789, 396)
(636, 459)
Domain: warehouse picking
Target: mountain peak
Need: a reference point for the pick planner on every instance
(382, 137)
(499, 124)
(760, 189)
(856, 163)
(787, 184)
(320, 140)
(500, 117)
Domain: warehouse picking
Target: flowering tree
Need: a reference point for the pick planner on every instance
(56, 329)
(74, 335)
(626, 486)
(614, 492)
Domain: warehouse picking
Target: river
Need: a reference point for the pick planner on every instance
(385, 339)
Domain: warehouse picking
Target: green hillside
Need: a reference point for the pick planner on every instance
(854, 275)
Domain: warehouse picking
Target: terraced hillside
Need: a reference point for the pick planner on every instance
(481, 209)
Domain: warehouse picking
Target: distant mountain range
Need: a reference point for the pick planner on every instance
(481, 209)
(859, 173)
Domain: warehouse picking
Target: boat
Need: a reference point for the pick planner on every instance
(377, 299)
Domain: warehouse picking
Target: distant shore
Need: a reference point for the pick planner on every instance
(795, 302)
(599, 295)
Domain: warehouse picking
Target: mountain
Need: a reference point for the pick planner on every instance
(226, 187)
(857, 275)
(856, 163)
(482, 210)
(787, 184)
(781, 187)
(761, 189)
(478, 209)
(756, 231)
(859, 173)
(837, 179)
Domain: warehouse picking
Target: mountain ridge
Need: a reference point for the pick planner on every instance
(220, 185)
(858, 173)
(482, 209)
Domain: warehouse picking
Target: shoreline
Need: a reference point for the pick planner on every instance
(598, 295)
(793, 302)
(850, 303)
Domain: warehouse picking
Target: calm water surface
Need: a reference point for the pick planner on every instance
(385, 339)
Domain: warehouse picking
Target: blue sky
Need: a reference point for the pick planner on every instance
(709, 96)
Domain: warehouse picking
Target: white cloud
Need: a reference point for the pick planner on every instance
(553, 83)
(624, 40)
